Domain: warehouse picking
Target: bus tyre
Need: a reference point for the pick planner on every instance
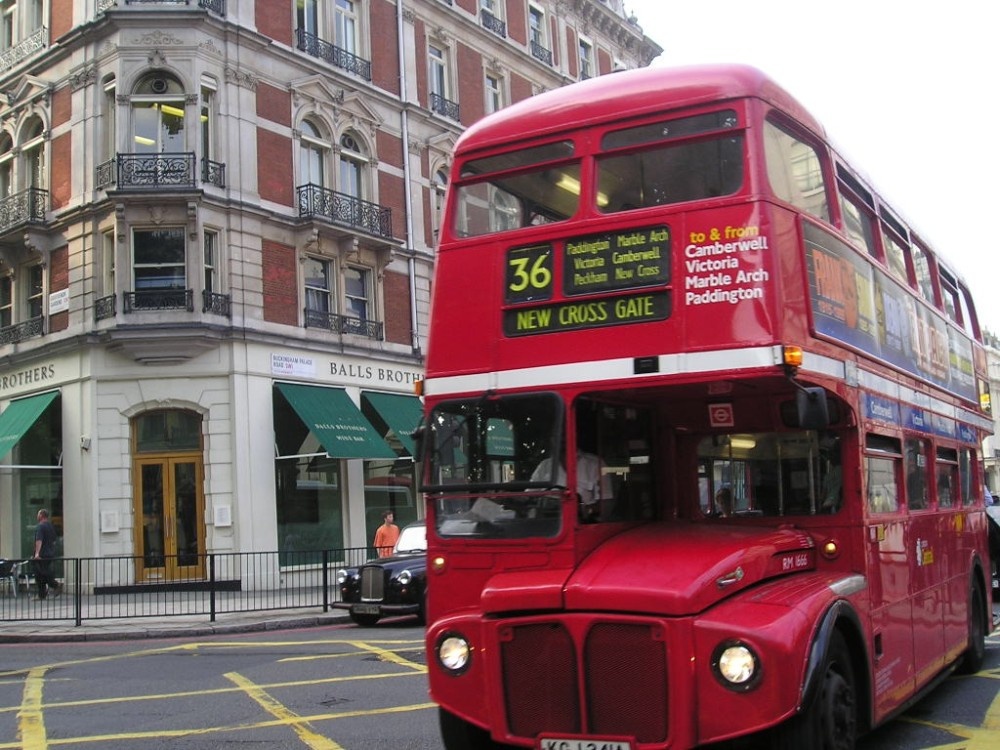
(458, 734)
(365, 621)
(975, 653)
(829, 722)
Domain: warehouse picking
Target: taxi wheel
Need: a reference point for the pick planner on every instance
(365, 621)
(829, 722)
(458, 734)
(422, 612)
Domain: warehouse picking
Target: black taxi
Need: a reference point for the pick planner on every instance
(395, 585)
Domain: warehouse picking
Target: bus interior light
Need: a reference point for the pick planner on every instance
(572, 185)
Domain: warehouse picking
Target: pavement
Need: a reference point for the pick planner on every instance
(186, 626)
(180, 626)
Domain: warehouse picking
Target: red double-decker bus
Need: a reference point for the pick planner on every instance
(703, 421)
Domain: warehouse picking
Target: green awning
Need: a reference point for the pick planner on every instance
(401, 413)
(336, 422)
(18, 418)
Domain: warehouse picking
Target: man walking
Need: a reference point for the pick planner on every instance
(45, 550)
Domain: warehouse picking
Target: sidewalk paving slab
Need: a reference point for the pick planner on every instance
(181, 626)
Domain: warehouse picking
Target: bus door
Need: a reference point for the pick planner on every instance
(888, 574)
(927, 563)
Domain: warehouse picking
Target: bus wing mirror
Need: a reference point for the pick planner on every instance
(418, 442)
(814, 412)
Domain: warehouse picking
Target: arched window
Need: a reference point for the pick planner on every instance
(353, 163)
(208, 88)
(439, 189)
(314, 151)
(33, 153)
(158, 115)
(6, 165)
(109, 117)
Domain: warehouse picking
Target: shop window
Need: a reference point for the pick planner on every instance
(308, 490)
(38, 478)
(389, 485)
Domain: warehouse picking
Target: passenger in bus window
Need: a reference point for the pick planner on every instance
(831, 489)
(724, 502)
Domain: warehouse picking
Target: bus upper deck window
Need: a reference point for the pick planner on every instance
(517, 188)
(672, 168)
(794, 169)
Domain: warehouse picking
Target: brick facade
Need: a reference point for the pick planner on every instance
(280, 283)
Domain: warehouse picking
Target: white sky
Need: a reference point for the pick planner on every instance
(906, 91)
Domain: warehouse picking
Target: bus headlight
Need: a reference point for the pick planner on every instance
(454, 653)
(736, 665)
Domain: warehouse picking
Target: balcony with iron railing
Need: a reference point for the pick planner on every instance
(216, 303)
(492, 23)
(216, 6)
(26, 207)
(105, 308)
(18, 332)
(343, 324)
(158, 299)
(445, 107)
(213, 303)
(341, 208)
(23, 49)
(314, 46)
(541, 53)
(165, 171)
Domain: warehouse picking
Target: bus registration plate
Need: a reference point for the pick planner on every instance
(582, 743)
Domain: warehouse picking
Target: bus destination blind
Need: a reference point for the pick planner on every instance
(592, 265)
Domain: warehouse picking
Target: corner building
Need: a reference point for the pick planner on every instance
(217, 230)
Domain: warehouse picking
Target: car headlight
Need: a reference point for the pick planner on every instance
(454, 653)
(736, 665)
(404, 577)
(341, 577)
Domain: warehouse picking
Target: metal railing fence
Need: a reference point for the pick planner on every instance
(98, 588)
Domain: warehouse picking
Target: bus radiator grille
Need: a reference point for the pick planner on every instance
(624, 673)
(540, 679)
(372, 583)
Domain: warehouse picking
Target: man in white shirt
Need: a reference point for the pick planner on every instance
(592, 484)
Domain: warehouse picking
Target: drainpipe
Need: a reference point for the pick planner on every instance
(407, 189)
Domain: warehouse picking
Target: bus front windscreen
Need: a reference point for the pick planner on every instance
(482, 457)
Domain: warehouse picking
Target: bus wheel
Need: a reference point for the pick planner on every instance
(830, 720)
(365, 621)
(458, 734)
(975, 654)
